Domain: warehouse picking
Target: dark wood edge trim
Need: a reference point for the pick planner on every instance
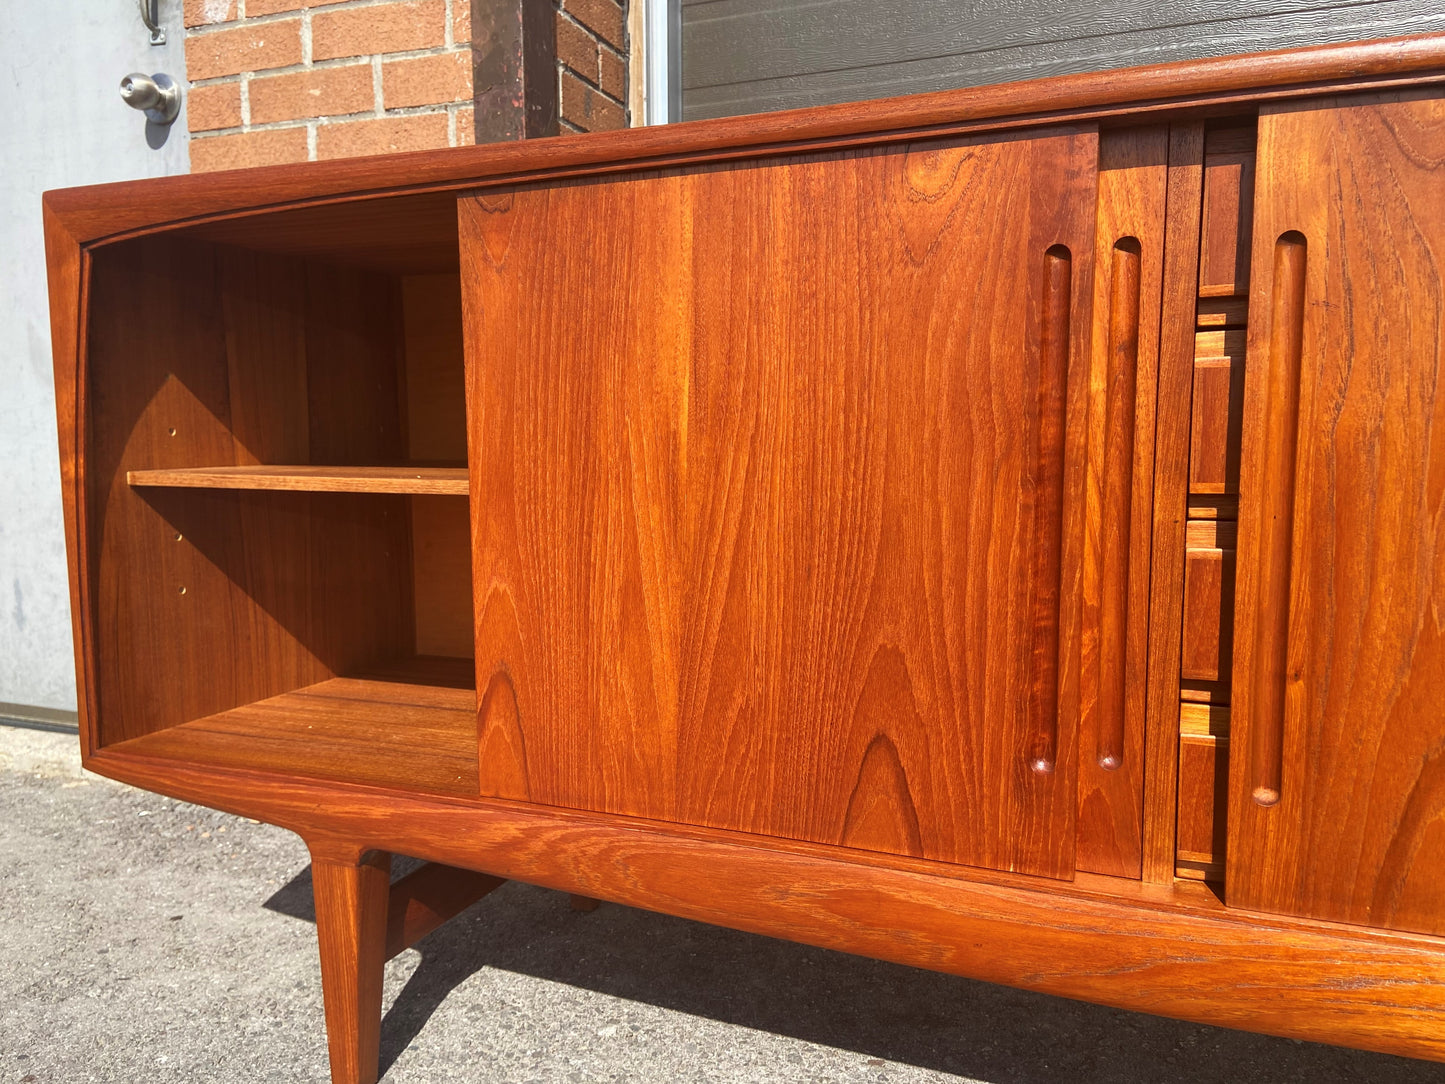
(1308, 980)
(112, 211)
(427, 898)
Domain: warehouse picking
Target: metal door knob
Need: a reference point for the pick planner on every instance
(157, 95)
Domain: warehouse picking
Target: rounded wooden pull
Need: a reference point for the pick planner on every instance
(1276, 518)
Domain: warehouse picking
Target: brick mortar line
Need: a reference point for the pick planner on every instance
(599, 91)
(595, 34)
(595, 84)
(590, 35)
(602, 42)
(560, 99)
(455, 109)
(281, 16)
(334, 62)
(590, 85)
(207, 29)
(334, 118)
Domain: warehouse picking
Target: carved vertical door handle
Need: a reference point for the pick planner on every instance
(1276, 519)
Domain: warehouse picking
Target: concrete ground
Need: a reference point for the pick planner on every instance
(143, 939)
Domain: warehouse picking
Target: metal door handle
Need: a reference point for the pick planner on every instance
(157, 95)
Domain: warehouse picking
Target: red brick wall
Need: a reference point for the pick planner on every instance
(304, 80)
(592, 65)
(297, 80)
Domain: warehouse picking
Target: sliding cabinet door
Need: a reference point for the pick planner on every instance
(1337, 791)
(776, 470)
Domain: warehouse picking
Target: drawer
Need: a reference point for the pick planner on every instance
(1229, 155)
(1216, 411)
(1208, 632)
(1203, 790)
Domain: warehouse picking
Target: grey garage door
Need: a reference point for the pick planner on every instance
(749, 56)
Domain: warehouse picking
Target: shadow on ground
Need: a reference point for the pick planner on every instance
(880, 1010)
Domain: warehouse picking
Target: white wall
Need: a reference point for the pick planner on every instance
(64, 124)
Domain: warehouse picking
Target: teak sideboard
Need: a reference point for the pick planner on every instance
(1000, 531)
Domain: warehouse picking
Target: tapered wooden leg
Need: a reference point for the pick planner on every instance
(351, 900)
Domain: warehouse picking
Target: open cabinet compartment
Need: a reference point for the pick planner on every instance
(316, 620)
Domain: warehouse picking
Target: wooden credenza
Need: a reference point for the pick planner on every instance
(1000, 531)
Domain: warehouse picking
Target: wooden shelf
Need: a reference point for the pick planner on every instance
(411, 726)
(430, 480)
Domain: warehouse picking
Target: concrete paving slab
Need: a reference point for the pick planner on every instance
(143, 939)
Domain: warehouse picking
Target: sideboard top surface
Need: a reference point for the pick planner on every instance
(99, 213)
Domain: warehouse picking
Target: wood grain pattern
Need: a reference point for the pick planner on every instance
(413, 235)
(1207, 641)
(1338, 808)
(67, 275)
(1268, 609)
(1129, 259)
(305, 479)
(1171, 491)
(441, 570)
(1122, 377)
(767, 552)
(262, 309)
(257, 359)
(351, 906)
(1199, 719)
(710, 533)
(1217, 412)
(229, 597)
(434, 367)
(434, 393)
(1222, 312)
(1174, 951)
(1044, 493)
(427, 898)
(1212, 506)
(354, 358)
(1224, 236)
(412, 727)
(1203, 801)
(1203, 791)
